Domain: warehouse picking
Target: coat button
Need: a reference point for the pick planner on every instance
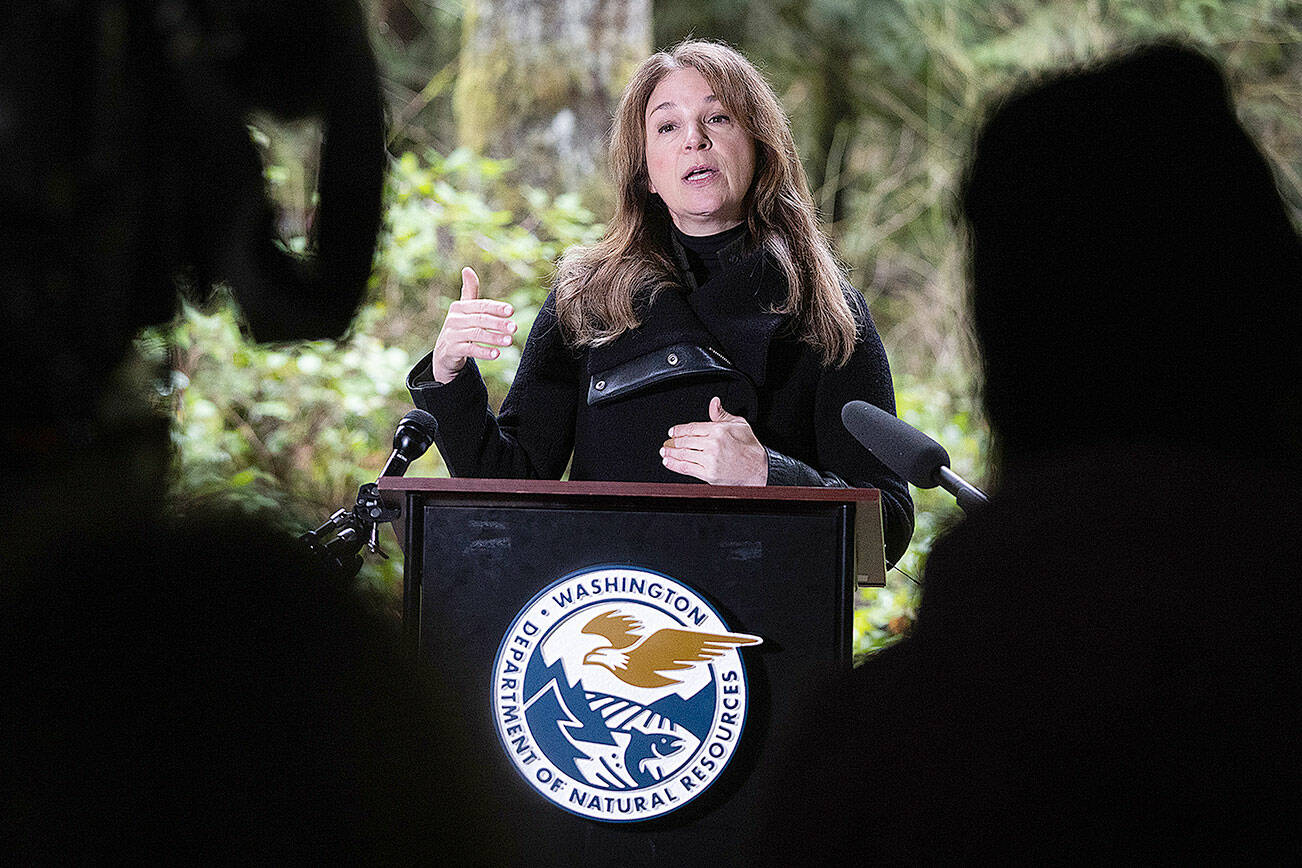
(601, 384)
(673, 359)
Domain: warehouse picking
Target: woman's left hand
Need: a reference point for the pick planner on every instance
(723, 451)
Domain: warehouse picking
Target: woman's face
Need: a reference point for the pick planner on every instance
(700, 160)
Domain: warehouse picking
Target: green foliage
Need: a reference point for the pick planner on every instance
(882, 615)
(298, 428)
(448, 212)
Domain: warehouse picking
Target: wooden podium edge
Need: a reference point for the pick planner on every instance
(464, 485)
(869, 538)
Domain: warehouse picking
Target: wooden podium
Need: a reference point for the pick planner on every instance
(627, 653)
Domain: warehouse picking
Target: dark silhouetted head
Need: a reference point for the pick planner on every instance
(127, 164)
(1134, 272)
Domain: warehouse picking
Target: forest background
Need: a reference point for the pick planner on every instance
(498, 111)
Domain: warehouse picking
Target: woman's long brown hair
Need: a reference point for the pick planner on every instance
(598, 288)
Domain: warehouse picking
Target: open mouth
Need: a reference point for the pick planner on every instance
(700, 173)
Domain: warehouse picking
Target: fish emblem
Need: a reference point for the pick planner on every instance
(647, 746)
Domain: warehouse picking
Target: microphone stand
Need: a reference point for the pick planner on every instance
(338, 542)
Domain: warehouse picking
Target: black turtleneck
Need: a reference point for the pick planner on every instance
(702, 252)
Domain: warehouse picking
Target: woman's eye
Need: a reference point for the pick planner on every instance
(664, 128)
(718, 119)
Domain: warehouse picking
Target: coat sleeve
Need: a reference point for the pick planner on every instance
(842, 461)
(533, 435)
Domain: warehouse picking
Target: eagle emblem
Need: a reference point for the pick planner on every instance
(642, 660)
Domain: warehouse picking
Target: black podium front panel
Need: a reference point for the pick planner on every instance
(764, 592)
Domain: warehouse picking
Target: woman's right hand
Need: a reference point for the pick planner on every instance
(474, 328)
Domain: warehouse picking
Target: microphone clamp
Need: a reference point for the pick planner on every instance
(338, 542)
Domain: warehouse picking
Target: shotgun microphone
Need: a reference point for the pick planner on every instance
(908, 452)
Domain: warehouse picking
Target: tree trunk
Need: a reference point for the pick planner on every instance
(540, 80)
(833, 125)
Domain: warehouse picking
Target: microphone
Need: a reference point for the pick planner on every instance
(339, 540)
(413, 438)
(908, 452)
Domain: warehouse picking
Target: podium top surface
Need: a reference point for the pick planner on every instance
(552, 487)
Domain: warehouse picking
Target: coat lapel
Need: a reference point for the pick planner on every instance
(735, 307)
(670, 320)
(729, 314)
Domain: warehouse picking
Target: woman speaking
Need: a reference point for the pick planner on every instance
(710, 335)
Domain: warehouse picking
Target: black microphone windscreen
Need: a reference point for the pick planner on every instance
(415, 435)
(413, 439)
(424, 422)
(904, 449)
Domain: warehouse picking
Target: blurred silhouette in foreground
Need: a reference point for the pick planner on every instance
(1106, 658)
(196, 686)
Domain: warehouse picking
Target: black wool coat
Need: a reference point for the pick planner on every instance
(610, 408)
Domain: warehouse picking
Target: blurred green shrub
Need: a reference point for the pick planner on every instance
(294, 430)
(949, 415)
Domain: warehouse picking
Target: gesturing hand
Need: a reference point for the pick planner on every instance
(473, 328)
(723, 451)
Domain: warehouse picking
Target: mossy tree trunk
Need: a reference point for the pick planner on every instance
(539, 82)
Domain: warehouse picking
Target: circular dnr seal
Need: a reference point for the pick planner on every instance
(619, 693)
